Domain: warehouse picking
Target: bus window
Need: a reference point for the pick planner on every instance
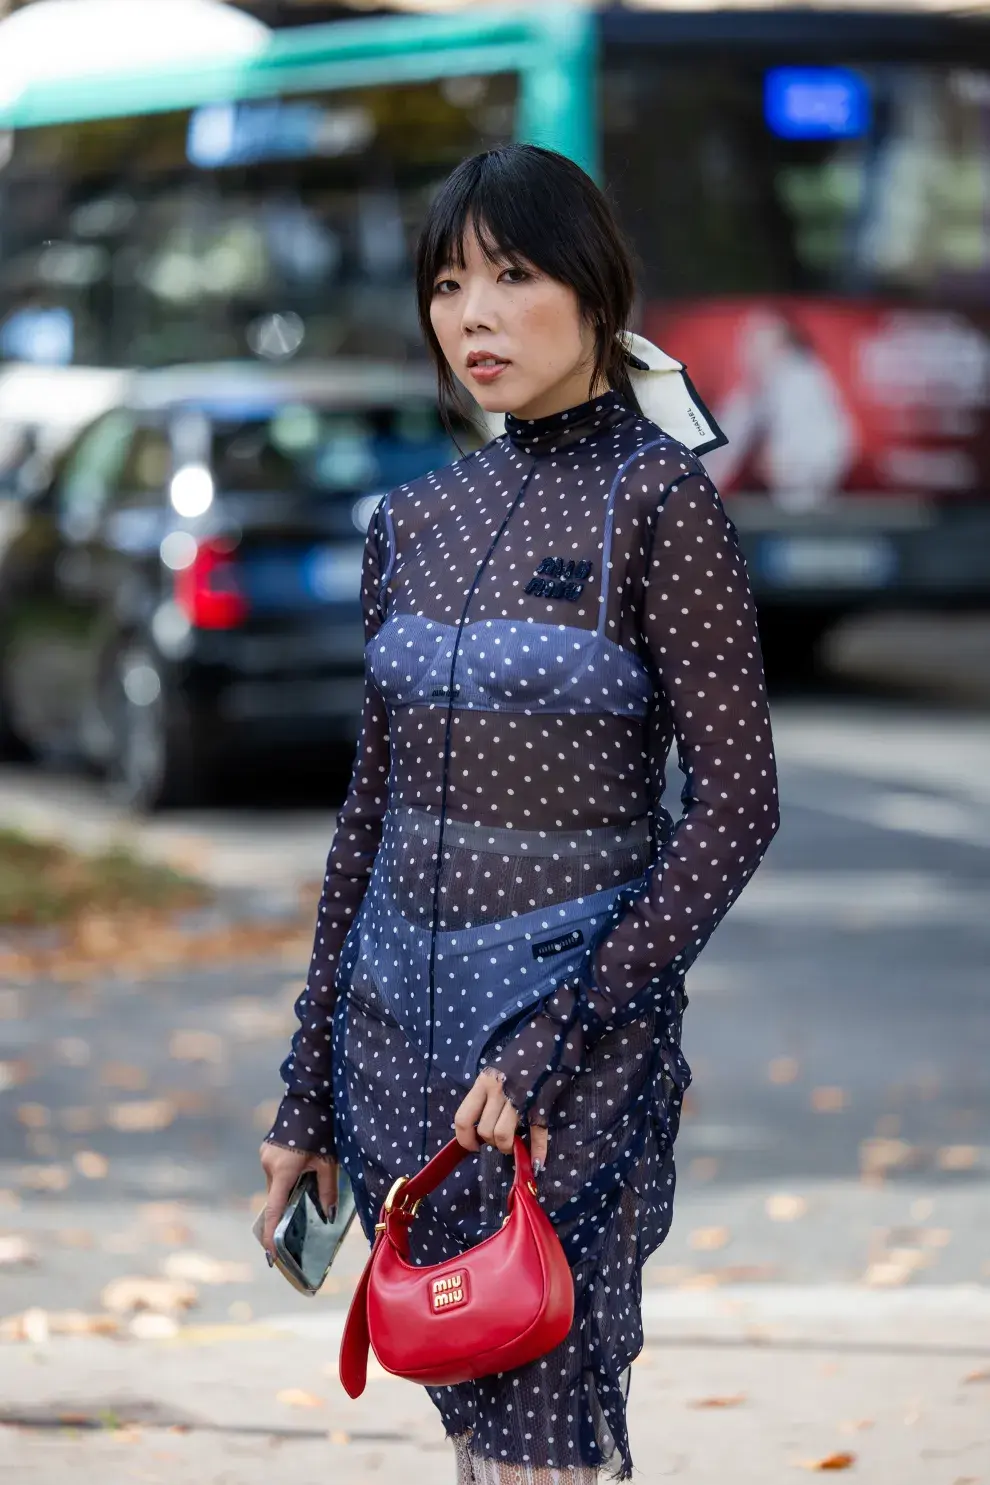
(720, 202)
(263, 228)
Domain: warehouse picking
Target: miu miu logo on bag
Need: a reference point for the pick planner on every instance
(448, 1291)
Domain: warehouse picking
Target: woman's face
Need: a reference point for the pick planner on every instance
(514, 337)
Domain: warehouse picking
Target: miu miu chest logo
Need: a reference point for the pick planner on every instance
(557, 578)
(449, 1291)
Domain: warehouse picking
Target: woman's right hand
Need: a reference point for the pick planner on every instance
(282, 1168)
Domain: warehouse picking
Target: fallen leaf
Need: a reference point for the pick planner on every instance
(172, 1235)
(141, 1117)
(829, 1100)
(253, 1018)
(73, 1051)
(196, 1046)
(34, 1115)
(700, 1281)
(40, 1144)
(670, 1273)
(748, 1273)
(264, 1115)
(151, 1325)
(15, 1248)
(732, 1401)
(842, 1461)
(785, 1208)
(43, 1177)
(200, 1268)
(294, 1397)
(91, 1164)
(783, 1070)
(155, 1212)
(74, 1237)
(36, 1325)
(124, 1075)
(13, 1073)
(707, 1239)
(957, 1157)
(982, 1375)
(78, 1119)
(895, 1267)
(877, 1156)
(127, 1241)
(703, 1168)
(165, 1296)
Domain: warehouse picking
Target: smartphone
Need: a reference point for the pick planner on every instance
(305, 1242)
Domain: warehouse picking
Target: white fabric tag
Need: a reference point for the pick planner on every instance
(668, 398)
(666, 394)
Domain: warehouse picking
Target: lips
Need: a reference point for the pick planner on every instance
(485, 368)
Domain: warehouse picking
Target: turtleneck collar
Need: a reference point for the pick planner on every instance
(561, 430)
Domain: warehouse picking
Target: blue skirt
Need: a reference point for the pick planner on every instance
(400, 1073)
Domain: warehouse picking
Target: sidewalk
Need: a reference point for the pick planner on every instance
(746, 1386)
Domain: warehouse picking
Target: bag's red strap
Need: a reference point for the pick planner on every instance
(446, 1161)
(355, 1343)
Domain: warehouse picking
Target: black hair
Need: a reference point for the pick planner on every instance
(529, 203)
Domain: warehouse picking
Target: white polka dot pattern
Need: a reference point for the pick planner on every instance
(543, 618)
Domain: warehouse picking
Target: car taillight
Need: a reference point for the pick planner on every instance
(207, 590)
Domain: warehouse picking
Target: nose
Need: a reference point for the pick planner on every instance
(478, 309)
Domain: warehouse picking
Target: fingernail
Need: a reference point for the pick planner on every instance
(332, 1214)
(271, 1261)
(537, 1167)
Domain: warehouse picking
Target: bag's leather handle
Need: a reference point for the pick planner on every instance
(446, 1161)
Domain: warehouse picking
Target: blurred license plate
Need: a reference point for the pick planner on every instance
(333, 574)
(823, 561)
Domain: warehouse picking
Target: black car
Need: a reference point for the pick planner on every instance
(185, 591)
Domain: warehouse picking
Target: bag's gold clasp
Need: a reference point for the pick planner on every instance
(393, 1204)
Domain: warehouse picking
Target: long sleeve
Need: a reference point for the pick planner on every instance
(699, 633)
(305, 1116)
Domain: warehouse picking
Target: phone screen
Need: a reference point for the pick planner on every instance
(306, 1238)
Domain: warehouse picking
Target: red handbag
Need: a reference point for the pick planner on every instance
(499, 1305)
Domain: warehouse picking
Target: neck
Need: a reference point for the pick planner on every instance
(571, 393)
(582, 423)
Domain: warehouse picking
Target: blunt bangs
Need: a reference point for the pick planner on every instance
(530, 205)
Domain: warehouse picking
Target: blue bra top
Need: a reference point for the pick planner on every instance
(506, 665)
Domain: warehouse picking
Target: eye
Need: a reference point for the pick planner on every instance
(445, 286)
(518, 275)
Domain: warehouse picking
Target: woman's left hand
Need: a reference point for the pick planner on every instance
(486, 1117)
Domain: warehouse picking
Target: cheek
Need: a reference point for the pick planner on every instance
(552, 326)
(443, 324)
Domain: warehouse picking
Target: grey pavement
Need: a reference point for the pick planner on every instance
(747, 1386)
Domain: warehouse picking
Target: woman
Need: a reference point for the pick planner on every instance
(508, 911)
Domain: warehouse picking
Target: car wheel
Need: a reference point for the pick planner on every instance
(13, 748)
(153, 763)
